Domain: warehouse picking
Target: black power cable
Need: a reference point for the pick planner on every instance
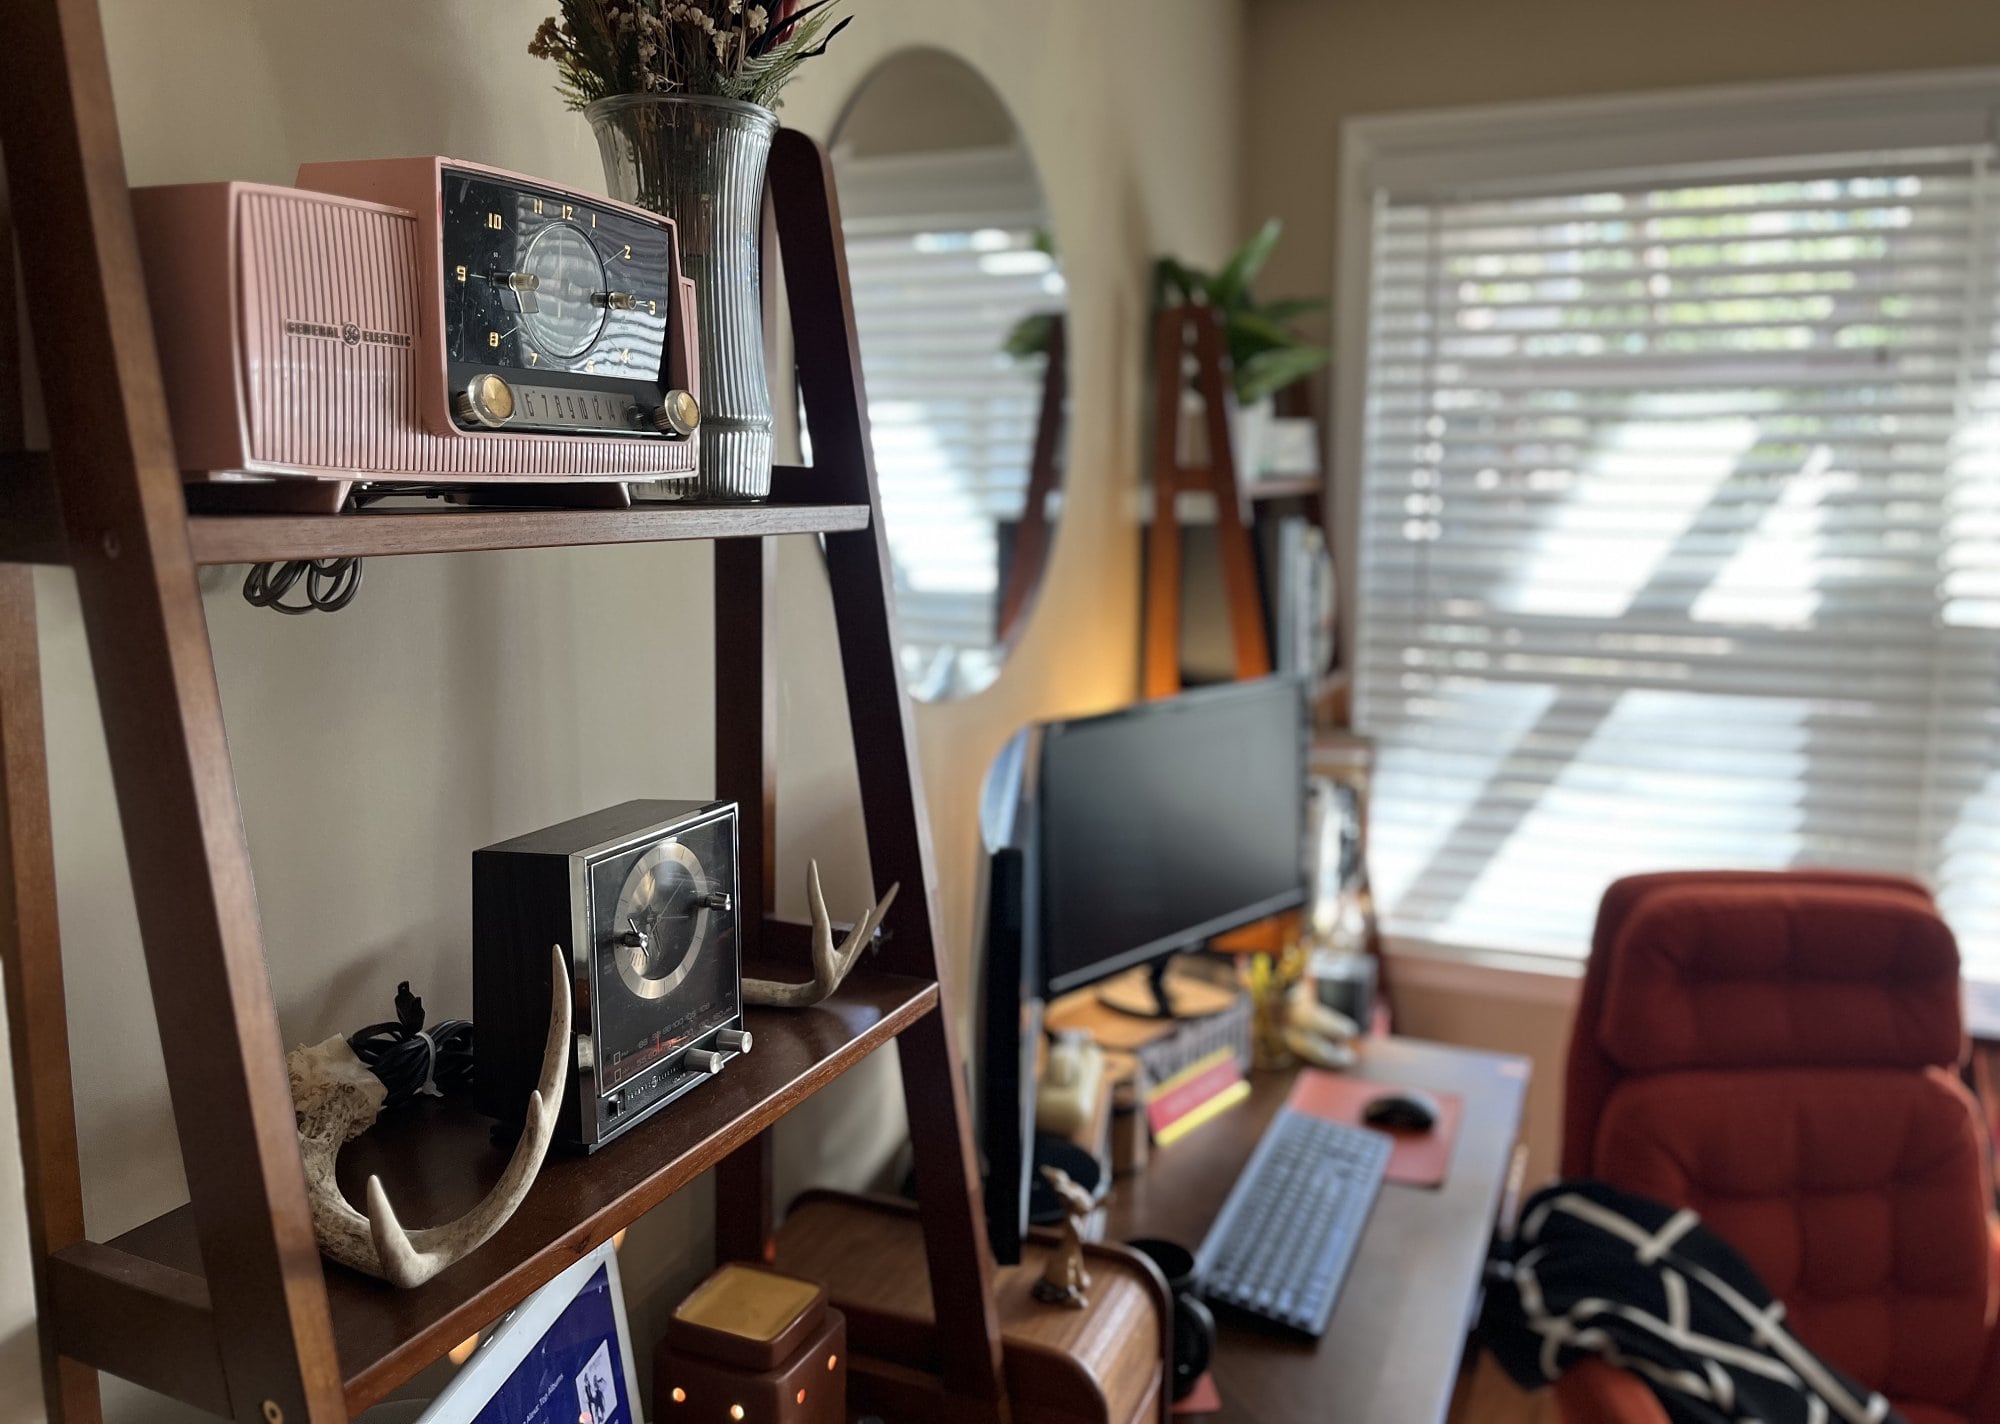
(407, 1059)
(330, 584)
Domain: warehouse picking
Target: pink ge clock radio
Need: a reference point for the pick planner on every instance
(419, 322)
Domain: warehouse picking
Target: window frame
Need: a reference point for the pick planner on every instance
(1505, 149)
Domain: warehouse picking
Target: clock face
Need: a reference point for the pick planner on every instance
(661, 920)
(664, 958)
(569, 302)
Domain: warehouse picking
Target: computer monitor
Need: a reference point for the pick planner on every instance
(1113, 842)
(1166, 824)
(564, 1354)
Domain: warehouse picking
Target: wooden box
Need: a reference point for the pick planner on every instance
(1102, 1365)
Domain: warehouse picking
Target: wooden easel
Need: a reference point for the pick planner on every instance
(1031, 539)
(1183, 337)
(225, 1303)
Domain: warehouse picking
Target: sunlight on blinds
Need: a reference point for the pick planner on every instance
(1680, 544)
(953, 417)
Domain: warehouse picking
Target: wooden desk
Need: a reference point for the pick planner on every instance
(1391, 1353)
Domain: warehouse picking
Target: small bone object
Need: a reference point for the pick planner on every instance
(1064, 1279)
(336, 1099)
(830, 962)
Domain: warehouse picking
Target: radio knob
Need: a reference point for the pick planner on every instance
(719, 900)
(736, 1040)
(487, 400)
(616, 301)
(700, 1060)
(679, 415)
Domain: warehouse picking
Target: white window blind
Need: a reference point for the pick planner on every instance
(944, 261)
(1680, 542)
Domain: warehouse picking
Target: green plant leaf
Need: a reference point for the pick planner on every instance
(1290, 309)
(1231, 287)
(1030, 336)
(1271, 371)
(1254, 332)
(1174, 282)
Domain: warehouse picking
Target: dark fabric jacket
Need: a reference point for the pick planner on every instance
(1595, 1271)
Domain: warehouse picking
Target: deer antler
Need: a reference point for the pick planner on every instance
(830, 962)
(337, 1099)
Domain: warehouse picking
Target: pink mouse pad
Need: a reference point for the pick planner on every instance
(1420, 1159)
(1203, 1399)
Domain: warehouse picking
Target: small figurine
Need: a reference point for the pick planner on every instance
(1064, 1280)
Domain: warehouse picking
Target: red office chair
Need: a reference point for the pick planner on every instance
(1776, 1051)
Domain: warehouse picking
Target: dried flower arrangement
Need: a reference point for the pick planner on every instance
(727, 49)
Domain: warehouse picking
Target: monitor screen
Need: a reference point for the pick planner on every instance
(1165, 824)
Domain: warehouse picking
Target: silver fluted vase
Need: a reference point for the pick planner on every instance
(701, 162)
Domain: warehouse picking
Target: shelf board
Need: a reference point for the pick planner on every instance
(261, 538)
(436, 1160)
(1283, 487)
(31, 526)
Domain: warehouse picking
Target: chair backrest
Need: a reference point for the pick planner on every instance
(1592, 1071)
(1776, 1053)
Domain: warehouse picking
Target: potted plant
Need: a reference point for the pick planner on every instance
(1265, 353)
(681, 96)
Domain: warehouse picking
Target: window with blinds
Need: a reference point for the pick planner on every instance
(1680, 542)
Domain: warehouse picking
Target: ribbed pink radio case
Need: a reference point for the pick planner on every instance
(301, 334)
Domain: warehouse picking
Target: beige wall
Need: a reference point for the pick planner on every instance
(1310, 64)
(463, 699)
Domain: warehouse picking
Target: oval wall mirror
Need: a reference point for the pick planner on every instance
(959, 301)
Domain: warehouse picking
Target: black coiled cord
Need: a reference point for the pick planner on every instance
(406, 1058)
(330, 584)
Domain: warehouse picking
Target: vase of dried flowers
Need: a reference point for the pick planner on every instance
(680, 94)
(701, 162)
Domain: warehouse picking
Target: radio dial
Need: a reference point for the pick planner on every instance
(487, 401)
(616, 301)
(736, 1040)
(700, 1060)
(680, 415)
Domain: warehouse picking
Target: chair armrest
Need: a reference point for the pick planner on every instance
(1985, 1402)
(1592, 1392)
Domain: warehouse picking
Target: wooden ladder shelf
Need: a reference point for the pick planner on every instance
(225, 1303)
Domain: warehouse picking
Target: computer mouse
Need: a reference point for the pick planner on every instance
(1404, 1110)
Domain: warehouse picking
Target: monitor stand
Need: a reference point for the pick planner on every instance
(1155, 992)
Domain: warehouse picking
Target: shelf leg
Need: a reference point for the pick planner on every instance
(1161, 656)
(37, 1022)
(1239, 561)
(746, 713)
(124, 512)
(745, 1212)
(892, 797)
